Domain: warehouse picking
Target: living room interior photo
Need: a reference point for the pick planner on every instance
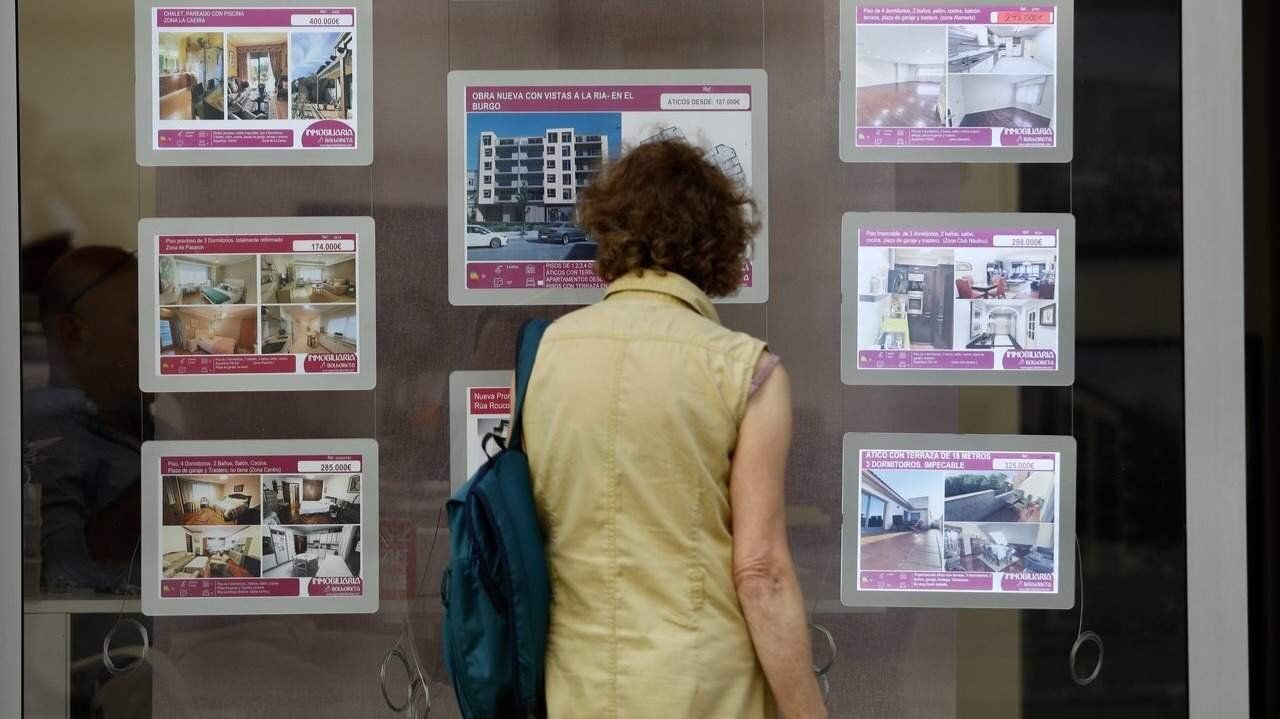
(208, 330)
(258, 76)
(308, 279)
(210, 552)
(1006, 275)
(899, 76)
(190, 81)
(207, 280)
(309, 329)
(998, 547)
(211, 499)
(311, 498)
(311, 551)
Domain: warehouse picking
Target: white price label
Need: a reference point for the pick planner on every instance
(1024, 465)
(323, 467)
(705, 101)
(322, 20)
(1025, 240)
(324, 245)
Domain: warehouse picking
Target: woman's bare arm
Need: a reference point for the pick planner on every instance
(762, 567)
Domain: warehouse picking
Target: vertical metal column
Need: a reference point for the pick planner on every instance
(1213, 241)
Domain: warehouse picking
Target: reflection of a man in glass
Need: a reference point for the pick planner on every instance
(89, 421)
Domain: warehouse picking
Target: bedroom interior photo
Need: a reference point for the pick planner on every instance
(191, 500)
(998, 547)
(309, 329)
(208, 331)
(207, 280)
(311, 499)
(307, 279)
(210, 552)
(311, 551)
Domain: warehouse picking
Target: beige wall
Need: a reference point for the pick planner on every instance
(76, 112)
(342, 271)
(245, 272)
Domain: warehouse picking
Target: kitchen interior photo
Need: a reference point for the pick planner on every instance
(311, 551)
(207, 280)
(899, 76)
(306, 279)
(1002, 49)
(210, 552)
(309, 329)
(208, 330)
(905, 298)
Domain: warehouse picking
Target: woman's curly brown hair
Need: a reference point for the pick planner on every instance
(664, 206)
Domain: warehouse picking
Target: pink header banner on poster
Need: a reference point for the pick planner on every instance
(490, 400)
(956, 460)
(281, 464)
(254, 243)
(227, 587)
(925, 14)
(608, 98)
(1013, 237)
(240, 17)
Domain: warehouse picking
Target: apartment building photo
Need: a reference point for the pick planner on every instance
(529, 168)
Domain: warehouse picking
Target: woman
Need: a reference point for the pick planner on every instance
(658, 443)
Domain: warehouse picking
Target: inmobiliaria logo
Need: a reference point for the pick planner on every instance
(329, 133)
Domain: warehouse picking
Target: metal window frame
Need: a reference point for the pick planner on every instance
(1213, 327)
(1217, 636)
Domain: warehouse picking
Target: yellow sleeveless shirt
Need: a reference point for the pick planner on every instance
(630, 422)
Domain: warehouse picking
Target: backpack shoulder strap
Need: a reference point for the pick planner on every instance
(527, 342)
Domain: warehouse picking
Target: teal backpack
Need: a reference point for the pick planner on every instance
(496, 590)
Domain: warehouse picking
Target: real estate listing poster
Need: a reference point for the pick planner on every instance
(958, 521)
(260, 527)
(256, 304)
(948, 81)
(247, 82)
(479, 421)
(958, 299)
(524, 144)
